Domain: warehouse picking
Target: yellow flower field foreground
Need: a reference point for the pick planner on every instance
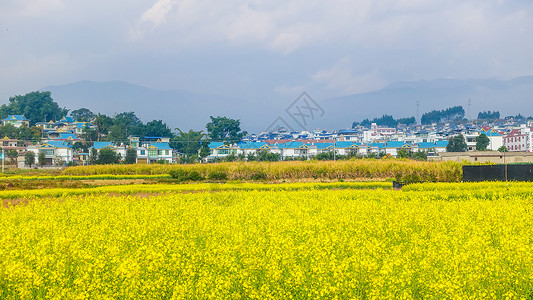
(271, 244)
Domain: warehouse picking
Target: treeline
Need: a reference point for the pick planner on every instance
(456, 113)
(487, 115)
(385, 120)
(40, 107)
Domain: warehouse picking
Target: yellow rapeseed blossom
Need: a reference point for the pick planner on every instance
(426, 241)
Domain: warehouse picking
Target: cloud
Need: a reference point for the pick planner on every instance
(340, 78)
(30, 8)
(158, 12)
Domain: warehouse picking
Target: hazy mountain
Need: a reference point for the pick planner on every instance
(400, 99)
(188, 110)
(181, 109)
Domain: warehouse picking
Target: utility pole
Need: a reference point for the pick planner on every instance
(418, 112)
(3, 159)
(469, 105)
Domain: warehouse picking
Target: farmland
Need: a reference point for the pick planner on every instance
(265, 240)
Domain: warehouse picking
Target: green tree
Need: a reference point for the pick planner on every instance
(131, 156)
(403, 153)
(41, 159)
(503, 149)
(420, 155)
(225, 129)
(93, 156)
(107, 156)
(12, 154)
(82, 115)
(482, 142)
(156, 128)
(457, 144)
(35, 106)
(29, 158)
(188, 143)
(102, 123)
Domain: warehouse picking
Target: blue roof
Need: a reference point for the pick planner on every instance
(490, 133)
(324, 145)
(441, 144)
(377, 145)
(395, 144)
(426, 145)
(160, 146)
(16, 118)
(214, 145)
(58, 144)
(344, 144)
(348, 131)
(291, 145)
(67, 120)
(254, 145)
(66, 136)
(101, 145)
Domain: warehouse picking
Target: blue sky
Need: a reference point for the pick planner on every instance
(261, 50)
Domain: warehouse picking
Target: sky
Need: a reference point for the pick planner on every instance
(261, 50)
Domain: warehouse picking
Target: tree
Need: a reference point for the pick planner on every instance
(457, 144)
(107, 156)
(503, 149)
(482, 141)
(82, 115)
(438, 116)
(225, 129)
(488, 115)
(102, 123)
(93, 156)
(29, 158)
(41, 159)
(189, 144)
(157, 128)
(12, 154)
(35, 106)
(403, 153)
(131, 156)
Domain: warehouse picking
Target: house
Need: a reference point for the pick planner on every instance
(80, 158)
(16, 120)
(159, 151)
(219, 150)
(57, 153)
(296, 149)
(67, 137)
(495, 139)
(518, 140)
(392, 147)
(120, 150)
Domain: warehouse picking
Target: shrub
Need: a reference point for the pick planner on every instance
(217, 175)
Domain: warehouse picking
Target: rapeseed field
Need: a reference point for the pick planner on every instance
(442, 242)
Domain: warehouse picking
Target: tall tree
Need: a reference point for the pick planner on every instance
(482, 141)
(35, 106)
(107, 156)
(131, 156)
(225, 129)
(457, 144)
(188, 143)
(157, 128)
(29, 158)
(41, 159)
(82, 115)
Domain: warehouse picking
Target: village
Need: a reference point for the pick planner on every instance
(58, 137)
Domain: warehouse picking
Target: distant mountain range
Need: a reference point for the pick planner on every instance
(188, 110)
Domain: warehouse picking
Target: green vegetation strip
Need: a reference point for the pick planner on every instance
(202, 187)
(87, 177)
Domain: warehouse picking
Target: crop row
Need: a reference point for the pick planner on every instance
(87, 177)
(180, 188)
(402, 170)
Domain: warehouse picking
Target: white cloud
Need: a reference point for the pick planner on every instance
(30, 8)
(157, 14)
